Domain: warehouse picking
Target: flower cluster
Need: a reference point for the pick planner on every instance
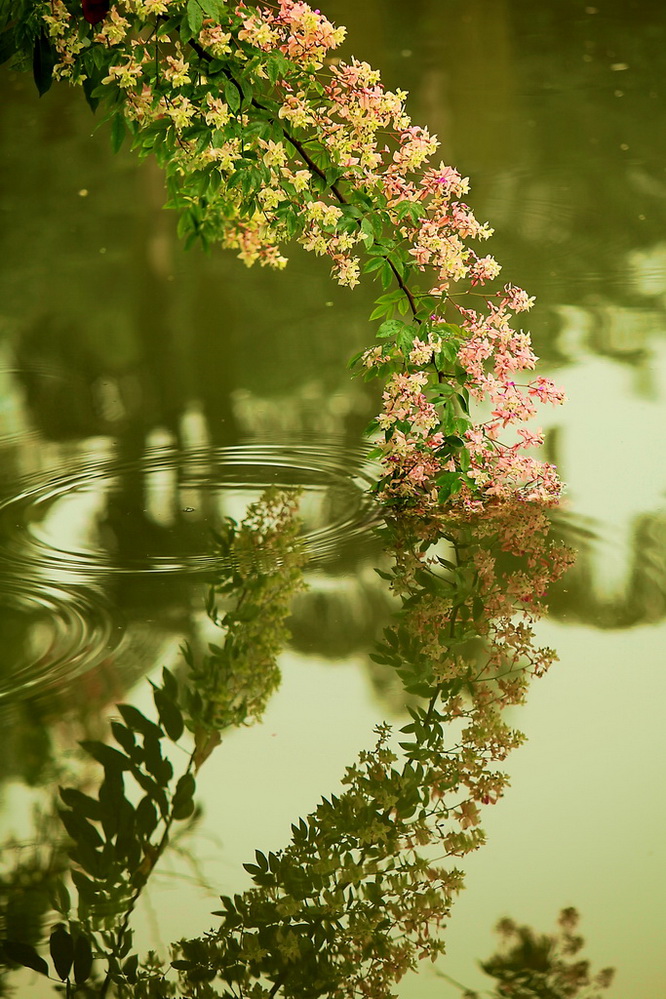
(265, 139)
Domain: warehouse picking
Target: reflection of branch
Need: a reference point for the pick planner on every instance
(206, 703)
(458, 985)
(367, 864)
(277, 985)
(153, 857)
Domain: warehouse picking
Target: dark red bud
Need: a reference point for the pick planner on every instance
(95, 11)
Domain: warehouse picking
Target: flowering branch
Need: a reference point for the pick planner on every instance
(266, 138)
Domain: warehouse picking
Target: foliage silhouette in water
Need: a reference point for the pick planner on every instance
(547, 966)
(264, 138)
(120, 834)
(365, 887)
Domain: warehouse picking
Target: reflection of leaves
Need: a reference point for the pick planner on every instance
(83, 959)
(66, 952)
(363, 857)
(360, 868)
(171, 717)
(29, 883)
(24, 955)
(61, 947)
(8, 43)
(544, 966)
(116, 840)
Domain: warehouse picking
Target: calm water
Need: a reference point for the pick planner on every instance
(146, 393)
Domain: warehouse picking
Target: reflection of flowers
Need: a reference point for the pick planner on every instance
(529, 965)
(233, 682)
(491, 585)
(365, 888)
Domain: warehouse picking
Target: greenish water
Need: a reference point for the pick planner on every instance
(147, 392)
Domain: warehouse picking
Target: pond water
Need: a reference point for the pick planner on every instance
(147, 393)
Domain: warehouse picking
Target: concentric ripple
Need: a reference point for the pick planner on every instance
(51, 636)
(155, 514)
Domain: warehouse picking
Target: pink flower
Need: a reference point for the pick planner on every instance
(484, 269)
(546, 391)
(516, 298)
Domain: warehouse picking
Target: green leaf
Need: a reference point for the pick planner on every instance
(381, 310)
(117, 131)
(170, 715)
(410, 208)
(135, 720)
(110, 758)
(386, 275)
(43, 61)
(25, 955)
(183, 803)
(449, 484)
(61, 946)
(463, 399)
(195, 16)
(391, 328)
(167, 27)
(232, 96)
(273, 68)
(8, 43)
(400, 265)
(214, 8)
(88, 90)
(80, 802)
(83, 959)
(367, 232)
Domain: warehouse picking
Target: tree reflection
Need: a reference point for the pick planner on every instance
(116, 838)
(364, 889)
(545, 966)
